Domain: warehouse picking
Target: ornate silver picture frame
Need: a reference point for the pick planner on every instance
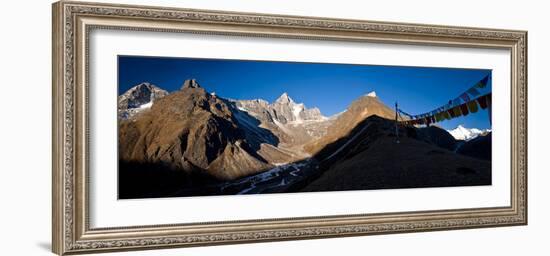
(74, 21)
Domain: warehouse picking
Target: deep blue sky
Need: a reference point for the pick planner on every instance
(330, 87)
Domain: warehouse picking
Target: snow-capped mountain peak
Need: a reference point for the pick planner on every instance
(284, 99)
(463, 133)
(138, 98)
(286, 111)
(371, 94)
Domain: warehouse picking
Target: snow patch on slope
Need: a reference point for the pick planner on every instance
(296, 109)
(146, 105)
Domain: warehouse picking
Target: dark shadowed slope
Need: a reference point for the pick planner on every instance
(479, 147)
(359, 109)
(434, 135)
(370, 158)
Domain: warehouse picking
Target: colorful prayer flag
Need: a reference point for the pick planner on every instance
(438, 117)
(446, 115)
(451, 113)
(464, 109)
(482, 101)
(454, 108)
(473, 91)
(472, 106)
(456, 102)
(465, 97)
(456, 111)
(482, 83)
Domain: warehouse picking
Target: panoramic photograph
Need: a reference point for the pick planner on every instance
(210, 127)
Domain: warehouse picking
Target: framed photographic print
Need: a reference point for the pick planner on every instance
(179, 127)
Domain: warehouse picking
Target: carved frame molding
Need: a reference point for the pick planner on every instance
(72, 22)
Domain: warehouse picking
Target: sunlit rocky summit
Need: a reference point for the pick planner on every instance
(138, 98)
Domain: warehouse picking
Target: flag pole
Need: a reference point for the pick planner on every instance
(396, 123)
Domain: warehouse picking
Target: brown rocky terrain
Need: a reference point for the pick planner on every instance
(192, 142)
(194, 131)
(370, 158)
(342, 125)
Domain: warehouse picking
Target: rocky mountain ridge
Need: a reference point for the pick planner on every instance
(215, 145)
(293, 122)
(343, 123)
(197, 131)
(194, 131)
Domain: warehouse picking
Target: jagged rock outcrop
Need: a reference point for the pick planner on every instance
(292, 122)
(285, 110)
(190, 83)
(138, 99)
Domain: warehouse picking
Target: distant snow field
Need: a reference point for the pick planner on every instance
(466, 134)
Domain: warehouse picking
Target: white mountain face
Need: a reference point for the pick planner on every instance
(293, 122)
(138, 99)
(466, 134)
(284, 110)
(287, 111)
